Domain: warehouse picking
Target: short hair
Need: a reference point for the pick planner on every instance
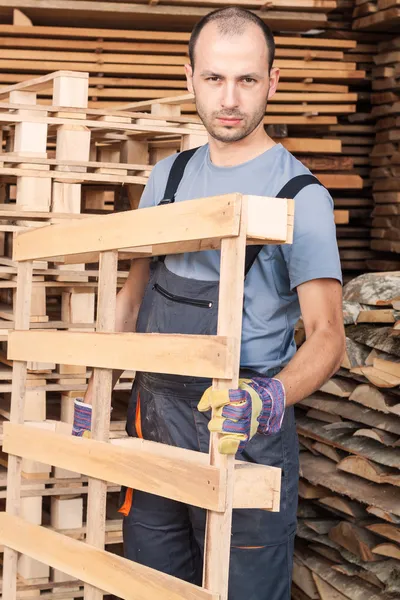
(232, 20)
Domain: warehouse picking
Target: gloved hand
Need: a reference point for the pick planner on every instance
(258, 405)
(82, 418)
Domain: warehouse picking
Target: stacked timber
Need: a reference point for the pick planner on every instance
(348, 544)
(384, 16)
(356, 132)
(321, 83)
(386, 154)
(284, 15)
(377, 15)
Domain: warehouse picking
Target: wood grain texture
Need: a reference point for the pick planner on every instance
(106, 571)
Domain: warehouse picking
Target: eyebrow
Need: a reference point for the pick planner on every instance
(213, 74)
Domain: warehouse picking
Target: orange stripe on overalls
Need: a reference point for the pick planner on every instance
(127, 505)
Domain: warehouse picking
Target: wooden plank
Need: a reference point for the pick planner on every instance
(170, 475)
(101, 410)
(112, 573)
(13, 503)
(256, 486)
(191, 221)
(205, 356)
(77, 177)
(140, 35)
(173, 223)
(218, 532)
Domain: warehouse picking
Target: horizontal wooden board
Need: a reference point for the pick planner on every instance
(205, 356)
(109, 572)
(177, 224)
(176, 474)
(139, 35)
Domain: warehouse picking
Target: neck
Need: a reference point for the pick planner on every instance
(230, 154)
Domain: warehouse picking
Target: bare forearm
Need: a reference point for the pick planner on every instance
(315, 362)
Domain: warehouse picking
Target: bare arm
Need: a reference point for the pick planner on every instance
(321, 354)
(129, 299)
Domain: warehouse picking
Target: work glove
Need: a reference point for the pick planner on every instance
(257, 406)
(82, 418)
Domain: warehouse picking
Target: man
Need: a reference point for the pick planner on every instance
(232, 77)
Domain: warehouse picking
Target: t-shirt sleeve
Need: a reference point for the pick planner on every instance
(148, 198)
(314, 253)
(153, 192)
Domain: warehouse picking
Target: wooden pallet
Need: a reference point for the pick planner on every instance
(230, 221)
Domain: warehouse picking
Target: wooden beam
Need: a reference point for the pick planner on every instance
(197, 219)
(169, 474)
(101, 410)
(109, 572)
(205, 356)
(13, 504)
(179, 224)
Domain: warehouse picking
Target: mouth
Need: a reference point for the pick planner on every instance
(229, 120)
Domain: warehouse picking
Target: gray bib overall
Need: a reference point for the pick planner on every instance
(168, 535)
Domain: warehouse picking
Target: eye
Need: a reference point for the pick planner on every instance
(214, 78)
(248, 80)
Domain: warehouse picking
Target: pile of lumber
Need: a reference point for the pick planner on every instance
(284, 15)
(348, 545)
(356, 132)
(382, 15)
(323, 82)
(386, 154)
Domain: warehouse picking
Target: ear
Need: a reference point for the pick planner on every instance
(189, 78)
(273, 81)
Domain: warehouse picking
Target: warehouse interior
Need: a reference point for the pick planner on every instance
(92, 95)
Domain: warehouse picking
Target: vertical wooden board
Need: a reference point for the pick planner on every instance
(13, 502)
(219, 525)
(102, 389)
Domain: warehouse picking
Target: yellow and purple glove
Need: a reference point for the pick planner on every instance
(82, 418)
(257, 406)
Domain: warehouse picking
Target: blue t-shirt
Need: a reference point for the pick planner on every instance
(271, 305)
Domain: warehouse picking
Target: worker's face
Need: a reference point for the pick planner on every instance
(231, 81)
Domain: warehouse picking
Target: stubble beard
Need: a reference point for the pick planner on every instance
(225, 133)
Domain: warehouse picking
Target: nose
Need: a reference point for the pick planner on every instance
(230, 98)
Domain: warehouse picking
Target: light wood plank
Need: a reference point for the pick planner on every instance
(13, 503)
(219, 525)
(101, 411)
(174, 477)
(205, 355)
(213, 217)
(114, 574)
(256, 486)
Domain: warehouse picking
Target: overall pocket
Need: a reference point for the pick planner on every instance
(174, 304)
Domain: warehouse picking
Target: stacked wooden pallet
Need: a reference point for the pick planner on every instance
(58, 160)
(382, 15)
(349, 513)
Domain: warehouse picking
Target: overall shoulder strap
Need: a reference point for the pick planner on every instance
(289, 190)
(176, 174)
